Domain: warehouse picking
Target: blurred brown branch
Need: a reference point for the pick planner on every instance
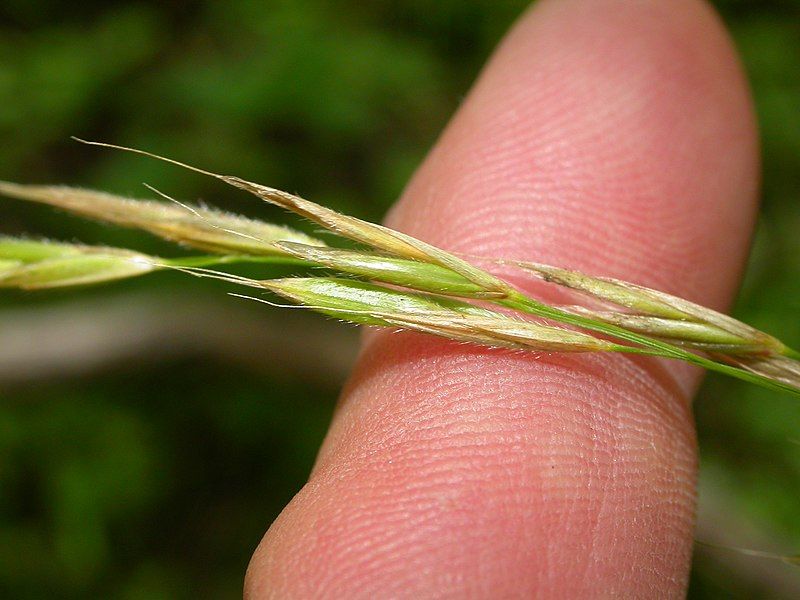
(86, 336)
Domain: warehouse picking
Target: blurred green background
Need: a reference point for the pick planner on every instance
(150, 430)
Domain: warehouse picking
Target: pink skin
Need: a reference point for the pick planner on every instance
(612, 136)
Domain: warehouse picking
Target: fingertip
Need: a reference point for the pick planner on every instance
(610, 136)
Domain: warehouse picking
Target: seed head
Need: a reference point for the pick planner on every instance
(211, 230)
(424, 276)
(45, 265)
(366, 303)
(658, 313)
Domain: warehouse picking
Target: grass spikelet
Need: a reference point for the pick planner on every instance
(671, 314)
(22, 250)
(500, 331)
(687, 333)
(70, 265)
(370, 304)
(412, 274)
(776, 368)
(362, 299)
(210, 230)
(616, 292)
(375, 236)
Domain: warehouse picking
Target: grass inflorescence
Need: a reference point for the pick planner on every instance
(394, 280)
